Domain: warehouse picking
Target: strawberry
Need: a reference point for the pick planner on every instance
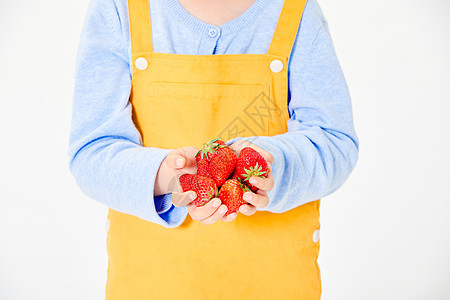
(231, 194)
(204, 154)
(204, 187)
(202, 167)
(221, 164)
(250, 163)
(216, 160)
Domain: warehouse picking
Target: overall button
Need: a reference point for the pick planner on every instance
(107, 225)
(212, 32)
(316, 236)
(141, 63)
(276, 66)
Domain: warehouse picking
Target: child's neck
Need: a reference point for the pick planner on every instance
(216, 12)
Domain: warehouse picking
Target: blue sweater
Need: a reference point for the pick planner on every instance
(311, 160)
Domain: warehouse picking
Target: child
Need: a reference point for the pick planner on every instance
(155, 80)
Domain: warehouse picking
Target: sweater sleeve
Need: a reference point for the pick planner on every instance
(106, 155)
(320, 150)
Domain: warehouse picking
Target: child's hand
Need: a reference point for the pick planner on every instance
(260, 198)
(207, 214)
(178, 162)
(210, 213)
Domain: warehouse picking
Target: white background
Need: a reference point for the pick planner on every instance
(385, 233)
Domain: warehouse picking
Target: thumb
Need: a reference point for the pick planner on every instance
(175, 161)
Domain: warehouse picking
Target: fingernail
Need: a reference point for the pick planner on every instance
(180, 162)
(216, 203)
(192, 195)
(247, 196)
(244, 209)
(253, 181)
(223, 209)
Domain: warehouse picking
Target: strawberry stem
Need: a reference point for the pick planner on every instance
(209, 147)
(253, 171)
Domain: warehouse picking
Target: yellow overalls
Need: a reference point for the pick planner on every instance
(181, 100)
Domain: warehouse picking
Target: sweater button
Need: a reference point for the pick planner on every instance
(141, 63)
(212, 32)
(276, 66)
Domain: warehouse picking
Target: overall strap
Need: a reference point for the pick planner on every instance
(140, 26)
(287, 27)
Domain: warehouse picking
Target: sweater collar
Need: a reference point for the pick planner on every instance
(196, 25)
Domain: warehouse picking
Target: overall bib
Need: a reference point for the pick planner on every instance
(186, 100)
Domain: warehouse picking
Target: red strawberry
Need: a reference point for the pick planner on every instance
(204, 187)
(203, 156)
(221, 164)
(202, 167)
(220, 142)
(250, 163)
(216, 160)
(231, 194)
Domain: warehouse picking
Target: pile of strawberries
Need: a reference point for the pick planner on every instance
(220, 173)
